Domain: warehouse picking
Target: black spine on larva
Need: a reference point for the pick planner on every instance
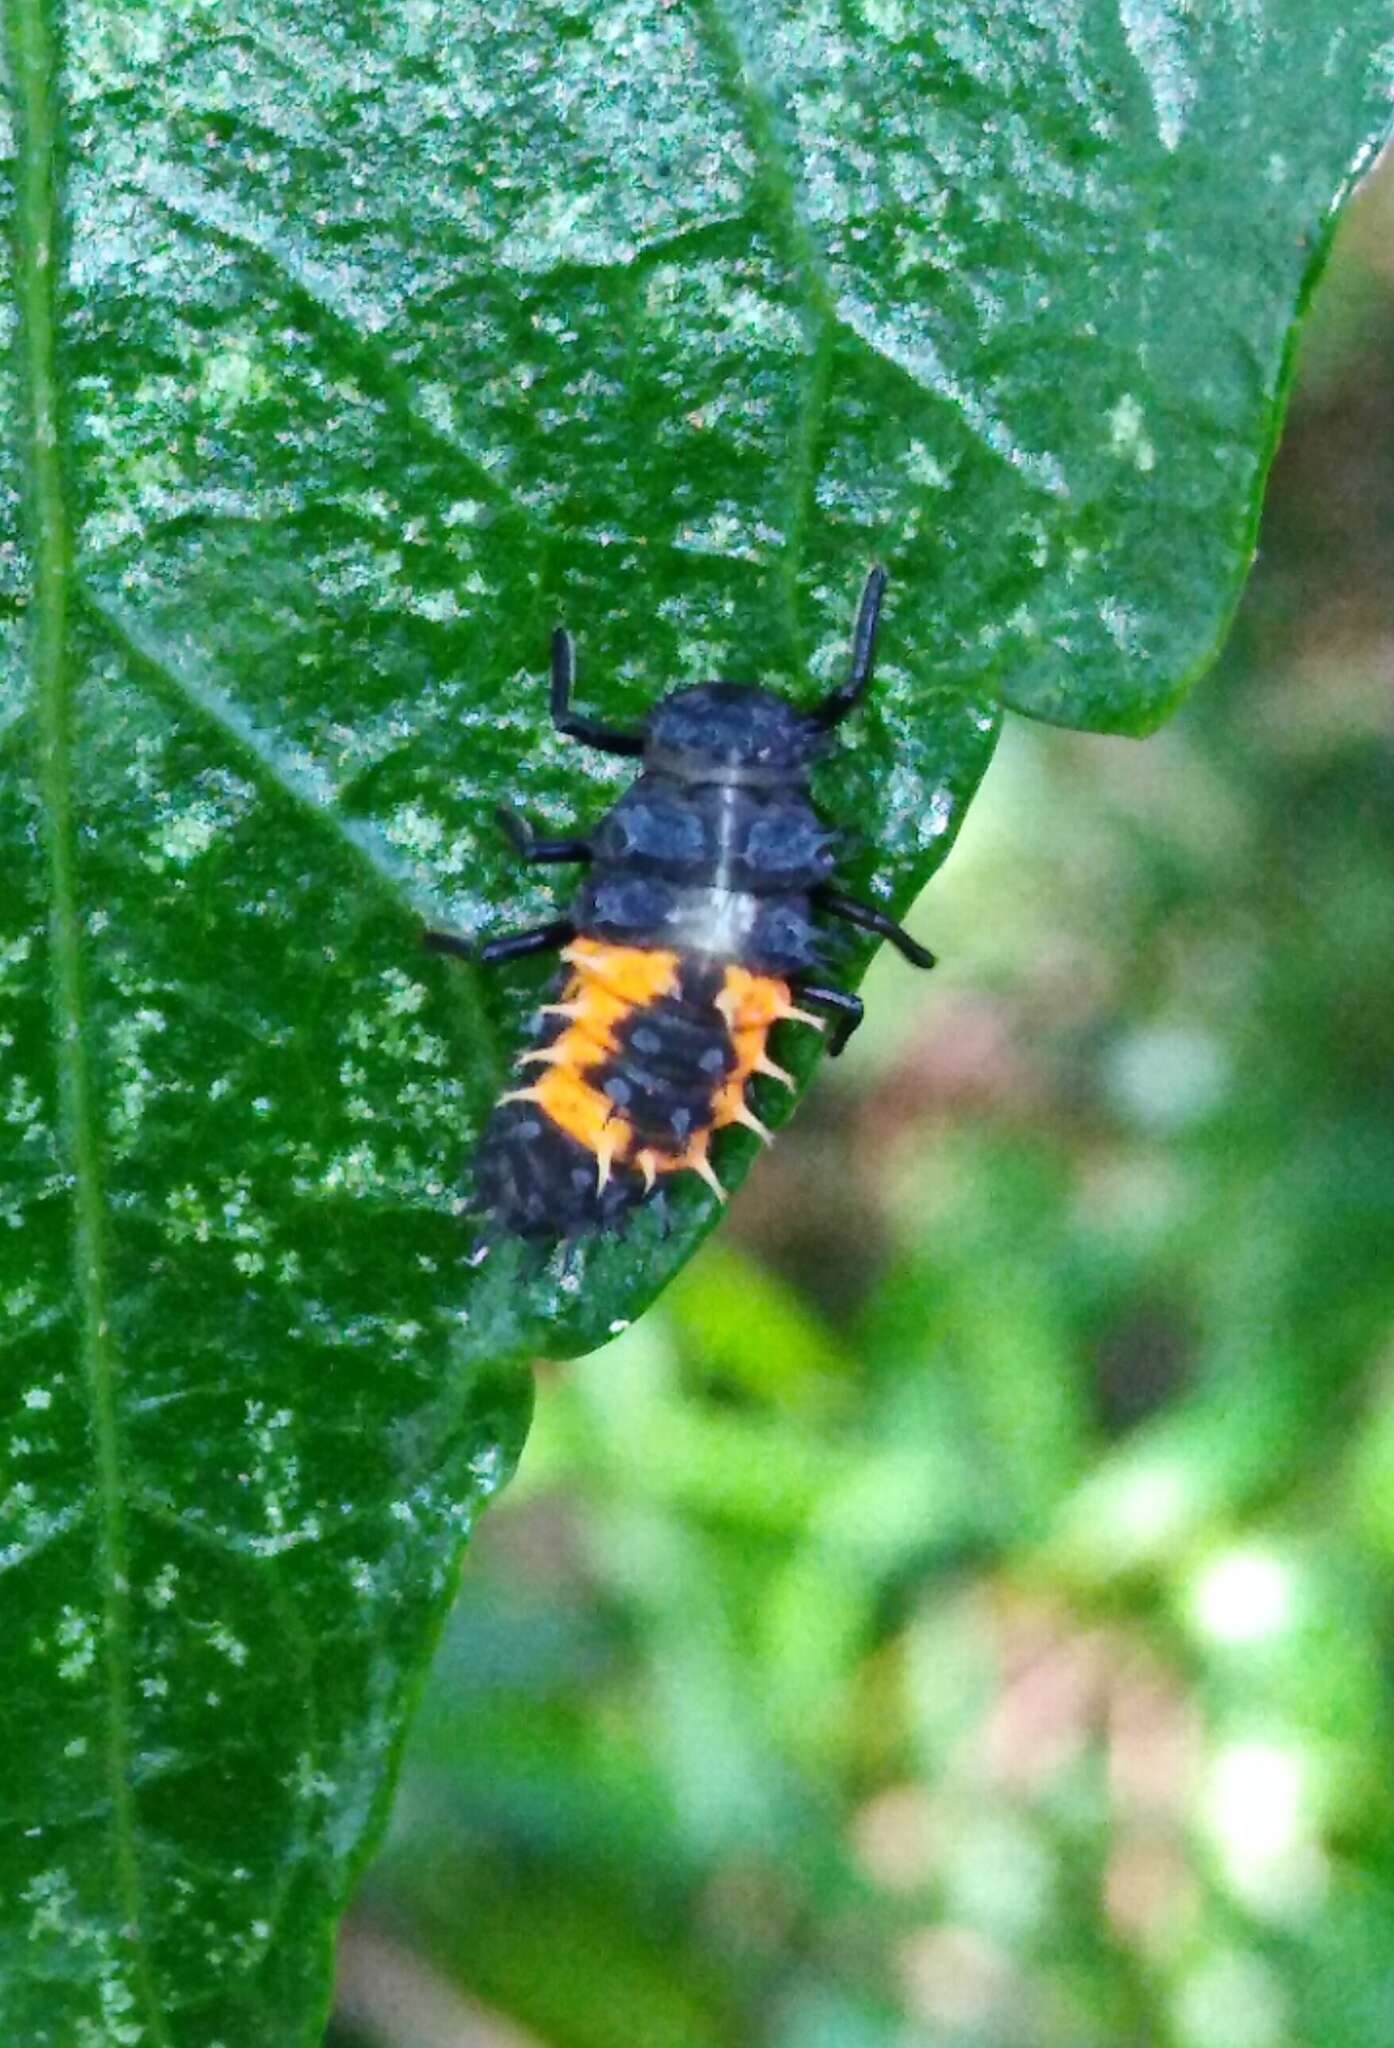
(533, 1180)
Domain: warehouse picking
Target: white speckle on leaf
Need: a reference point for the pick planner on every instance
(891, 18)
(52, 1896)
(925, 469)
(231, 376)
(486, 1466)
(404, 996)
(227, 1218)
(1121, 623)
(38, 1397)
(23, 1111)
(1126, 434)
(308, 1782)
(275, 1472)
(726, 532)
(186, 834)
(425, 839)
(436, 605)
(1157, 32)
(906, 342)
(76, 1634)
(355, 1172)
(87, 1949)
(187, 823)
(227, 1644)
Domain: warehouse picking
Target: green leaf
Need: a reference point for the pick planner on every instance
(346, 347)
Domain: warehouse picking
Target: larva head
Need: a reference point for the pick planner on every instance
(733, 732)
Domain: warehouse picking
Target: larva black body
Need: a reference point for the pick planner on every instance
(692, 935)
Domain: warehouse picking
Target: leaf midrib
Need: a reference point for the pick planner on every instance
(722, 26)
(36, 65)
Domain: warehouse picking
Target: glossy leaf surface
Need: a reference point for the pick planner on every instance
(346, 348)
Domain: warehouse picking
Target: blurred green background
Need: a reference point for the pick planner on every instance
(962, 1612)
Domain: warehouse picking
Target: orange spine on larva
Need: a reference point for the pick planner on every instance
(750, 1005)
(607, 985)
(586, 1084)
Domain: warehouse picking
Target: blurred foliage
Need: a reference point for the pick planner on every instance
(960, 1614)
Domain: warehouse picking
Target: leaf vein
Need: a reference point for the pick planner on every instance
(36, 60)
(355, 317)
(726, 32)
(306, 785)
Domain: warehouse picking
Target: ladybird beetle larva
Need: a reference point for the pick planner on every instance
(692, 935)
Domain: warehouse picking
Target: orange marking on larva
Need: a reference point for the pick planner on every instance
(751, 1002)
(728, 1102)
(609, 983)
(576, 1048)
(594, 1010)
(582, 1112)
(749, 1047)
(636, 974)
